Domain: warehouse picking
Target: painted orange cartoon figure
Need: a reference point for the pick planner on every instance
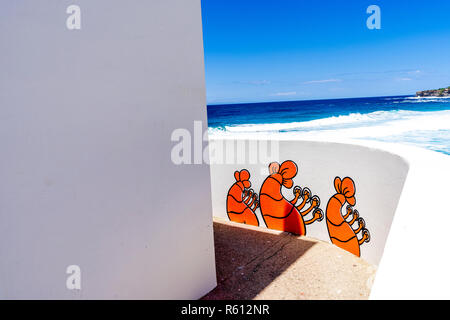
(340, 230)
(241, 200)
(279, 213)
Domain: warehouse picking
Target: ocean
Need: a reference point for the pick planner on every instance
(423, 122)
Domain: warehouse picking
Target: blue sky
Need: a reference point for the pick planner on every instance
(267, 50)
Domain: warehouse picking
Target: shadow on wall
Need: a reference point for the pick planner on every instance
(244, 260)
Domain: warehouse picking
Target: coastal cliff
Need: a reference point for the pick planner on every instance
(443, 92)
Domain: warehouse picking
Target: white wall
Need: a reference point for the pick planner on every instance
(86, 176)
(415, 262)
(379, 177)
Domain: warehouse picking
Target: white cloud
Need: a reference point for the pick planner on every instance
(404, 79)
(322, 81)
(255, 82)
(290, 93)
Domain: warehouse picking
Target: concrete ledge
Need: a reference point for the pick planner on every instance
(257, 263)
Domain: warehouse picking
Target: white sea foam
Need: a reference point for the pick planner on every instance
(420, 99)
(354, 118)
(426, 129)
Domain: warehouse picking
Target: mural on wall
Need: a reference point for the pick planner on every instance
(282, 214)
(340, 230)
(242, 201)
(278, 212)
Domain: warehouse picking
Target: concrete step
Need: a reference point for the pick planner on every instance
(257, 263)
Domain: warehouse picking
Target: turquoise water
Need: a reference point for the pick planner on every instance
(423, 122)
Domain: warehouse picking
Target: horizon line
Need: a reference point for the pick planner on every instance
(280, 101)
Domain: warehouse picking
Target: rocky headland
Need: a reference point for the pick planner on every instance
(442, 92)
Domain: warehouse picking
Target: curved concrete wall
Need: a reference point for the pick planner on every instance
(86, 118)
(415, 261)
(379, 177)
